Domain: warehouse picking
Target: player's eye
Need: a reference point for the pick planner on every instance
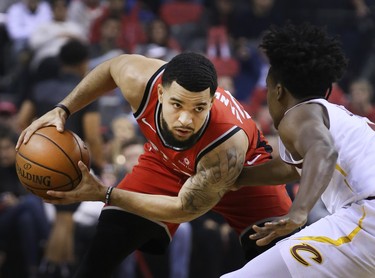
(199, 109)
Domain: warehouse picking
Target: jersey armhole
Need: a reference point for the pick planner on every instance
(147, 92)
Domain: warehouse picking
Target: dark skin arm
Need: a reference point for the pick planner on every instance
(305, 134)
(273, 172)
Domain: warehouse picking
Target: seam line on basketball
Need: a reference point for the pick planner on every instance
(71, 161)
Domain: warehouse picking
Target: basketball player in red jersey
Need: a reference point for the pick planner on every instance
(199, 139)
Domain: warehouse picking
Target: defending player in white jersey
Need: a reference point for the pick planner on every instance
(334, 151)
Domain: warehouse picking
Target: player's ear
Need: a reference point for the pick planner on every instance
(280, 91)
(212, 101)
(160, 93)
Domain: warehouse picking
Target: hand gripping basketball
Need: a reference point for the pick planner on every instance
(89, 189)
(49, 161)
(55, 117)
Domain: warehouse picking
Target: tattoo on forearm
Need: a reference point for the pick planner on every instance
(193, 201)
(216, 173)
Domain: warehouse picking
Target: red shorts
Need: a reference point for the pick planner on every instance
(240, 208)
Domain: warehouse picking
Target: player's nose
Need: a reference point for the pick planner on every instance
(185, 118)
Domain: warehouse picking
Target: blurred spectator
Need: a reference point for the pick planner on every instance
(4, 54)
(257, 16)
(264, 121)
(108, 45)
(187, 22)
(113, 9)
(159, 42)
(74, 64)
(23, 222)
(74, 57)
(258, 99)
(8, 111)
(222, 13)
(361, 97)
(219, 51)
(123, 130)
(253, 18)
(144, 10)
(85, 12)
(252, 69)
(112, 104)
(132, 31)
(153, 5)
(47, 39)
(23, 18)
(5, 4)
(130, 151)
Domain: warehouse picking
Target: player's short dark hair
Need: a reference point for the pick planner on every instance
(304, 58)
(192, 71)
(73, 53)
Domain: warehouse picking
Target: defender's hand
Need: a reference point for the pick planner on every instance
(279, 227)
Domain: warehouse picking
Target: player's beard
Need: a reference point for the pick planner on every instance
(171, 139)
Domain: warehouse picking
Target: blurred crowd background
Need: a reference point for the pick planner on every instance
(47, 47)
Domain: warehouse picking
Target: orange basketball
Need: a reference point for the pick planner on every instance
(49, 161)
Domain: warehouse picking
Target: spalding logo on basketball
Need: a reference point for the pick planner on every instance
(50, 161)
(26, 173)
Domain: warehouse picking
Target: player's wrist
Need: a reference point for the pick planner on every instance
(108, 194)
(64, 108)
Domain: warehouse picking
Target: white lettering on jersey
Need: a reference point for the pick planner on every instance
(223, 99)
(237, 111)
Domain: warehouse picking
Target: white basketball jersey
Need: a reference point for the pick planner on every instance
(354, 140)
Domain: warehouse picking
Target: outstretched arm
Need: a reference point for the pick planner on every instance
(273, 172)
(128, 72)
(216, 174)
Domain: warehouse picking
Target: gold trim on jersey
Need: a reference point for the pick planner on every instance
(338, 168)
(341, 240)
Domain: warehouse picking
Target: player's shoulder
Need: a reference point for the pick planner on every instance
(236, 144)
(136, 67)
(132, 72)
